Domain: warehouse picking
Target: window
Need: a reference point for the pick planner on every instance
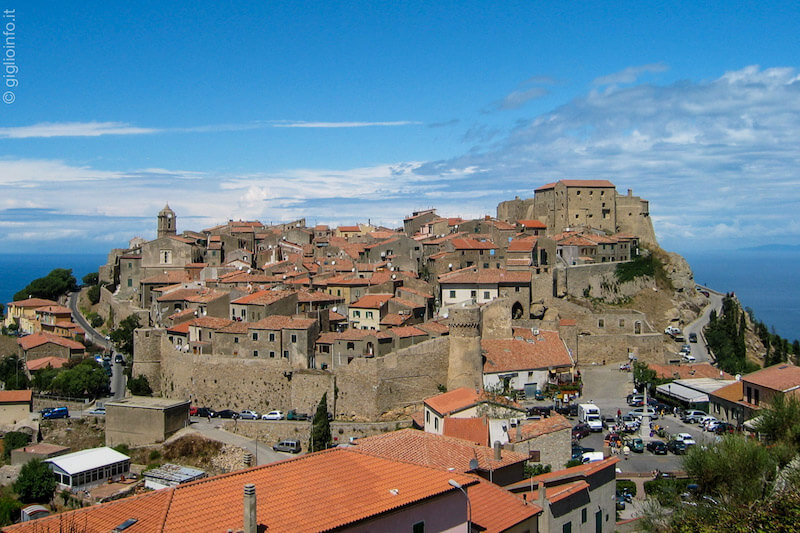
(255, 353)
(369, 314)
(166, 257)
(566, 528)
(428, 416)
(584, 514)
(130, 282)
(294, 338)
(473, 294)
(516, 289)
(485, 295)
(255, 335)
(755, 396)
(236, 340)
(272, 355)
(271, 337)
(486, 265)
(452, 294)
(242, 313)
(357, 314)
(286, 354)
(351, 346)
(622, 322)
(601, 323)
(419, 527)
(435, 423)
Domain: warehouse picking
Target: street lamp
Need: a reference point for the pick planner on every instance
(456, 484)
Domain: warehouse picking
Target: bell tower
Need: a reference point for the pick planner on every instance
(166, 222)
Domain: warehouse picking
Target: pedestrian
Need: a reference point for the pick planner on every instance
(619, 413)
(627, 451)
(209, 418)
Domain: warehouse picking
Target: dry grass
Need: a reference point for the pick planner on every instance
(77, 433)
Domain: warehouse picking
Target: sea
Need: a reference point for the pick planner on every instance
(765, 280)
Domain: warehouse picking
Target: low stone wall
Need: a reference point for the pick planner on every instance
(272, 431)
(648, 348)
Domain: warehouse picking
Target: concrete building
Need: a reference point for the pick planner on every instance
(88, 468)
(141, 420)
(15, 406)
(41, 451)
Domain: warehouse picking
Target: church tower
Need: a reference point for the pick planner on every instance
(166, 222)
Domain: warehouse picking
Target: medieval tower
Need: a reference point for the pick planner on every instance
(465, 365)
(167, 223)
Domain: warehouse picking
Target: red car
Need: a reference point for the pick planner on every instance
(580, 431)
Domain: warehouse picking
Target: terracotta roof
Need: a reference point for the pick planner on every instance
(463, 398)
(43, 448)
(235, 328)
(472, 244)
(530, 429)
(169, 277)
(473, 429)
(559, 492)
(407, 331)
(358, 334)
(316, 296)
(587, 469)
(521, 245)
(262, 297)
(32, 302)
(496, 509)
(348, 228)
(782, 377)
(315, 492)
(393, 319)
(547, 351)
(733, 392)
(43, 362)
(454, 221)
(489, 276)
(37, 339)
(407, 303)
(15, 396)
(182, 328)
(533, 224)
(210, 322)
(414, 291)
(54, 310)
(434, 327)
(503, 225)
(182, 313)
(697, 370)
(371, 301)
(333, 315)
(275, 322)
(578, 183)
(429, 449)
(195, 295)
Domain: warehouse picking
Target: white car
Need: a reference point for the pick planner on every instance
(685, 438)
(706, 420)
(273, 415)
(689, 358)
(640, 411)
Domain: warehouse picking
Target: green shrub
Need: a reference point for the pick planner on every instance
(623, 484)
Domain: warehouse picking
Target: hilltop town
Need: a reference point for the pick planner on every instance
(452, 354)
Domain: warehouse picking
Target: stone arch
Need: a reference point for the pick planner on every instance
(637, 327)
(517, 310)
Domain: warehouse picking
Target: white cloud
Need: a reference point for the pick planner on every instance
(630, 74)
(304, 124)
(73, 129)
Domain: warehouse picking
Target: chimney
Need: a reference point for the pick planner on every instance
(498, 456)
(250, 523)
(544, 522)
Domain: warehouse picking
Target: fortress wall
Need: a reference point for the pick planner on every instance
(120, 309)
(614, 349)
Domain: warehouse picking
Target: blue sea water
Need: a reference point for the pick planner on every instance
(765, 280)
(17, 270)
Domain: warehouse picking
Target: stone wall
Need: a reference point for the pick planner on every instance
(120, 309)
(554, 448)
(270, 431)
(648, 348)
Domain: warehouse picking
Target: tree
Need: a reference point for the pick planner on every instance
(91, 278)
(87, 378)
(320, 427)
(58, 282)
(122, 336)
(780, 422)
(94, 295)
(736, 469)
(35, 483)
(12, 373)
(13, 440)
(43, 378)
(140, 386)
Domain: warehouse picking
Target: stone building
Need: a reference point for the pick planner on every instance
(140, 420)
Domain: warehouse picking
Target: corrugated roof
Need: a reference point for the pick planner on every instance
(84, 460)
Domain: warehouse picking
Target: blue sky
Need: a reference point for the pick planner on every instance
(343, 113)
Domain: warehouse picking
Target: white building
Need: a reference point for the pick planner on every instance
(89, 468)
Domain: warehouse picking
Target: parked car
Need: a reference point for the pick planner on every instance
(630, 423)
(204, 412)
(639, 412)
(248, 414)
(685, 438)
(609, 421)
(294, 415)
(657, 447)
(539, 395)
(692, 337)
(228, 413)
(56, 412)
(273, 415)
(712, 425)
(704, 421)
(672, 330)
(569, 410)
(677, 447)
(119, 359)
(635, 398)
(98, 411)
(580, 431)
(692, 416)
(688, 358)
(724, 427)
(636, 445)
(578, 450)
(291, 446)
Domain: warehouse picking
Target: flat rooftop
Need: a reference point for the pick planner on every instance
(146, 402)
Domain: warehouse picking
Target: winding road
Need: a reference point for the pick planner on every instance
(700, 348)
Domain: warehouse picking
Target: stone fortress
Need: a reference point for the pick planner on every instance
(244, 315)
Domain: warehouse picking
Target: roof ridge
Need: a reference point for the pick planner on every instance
(166, 510)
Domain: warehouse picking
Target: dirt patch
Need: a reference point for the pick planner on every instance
(191, 450)
(76, 433)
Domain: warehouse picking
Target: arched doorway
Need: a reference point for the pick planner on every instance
(516, 310)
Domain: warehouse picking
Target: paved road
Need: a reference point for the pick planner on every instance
(262, 451)
(91, 334)
(699, 348)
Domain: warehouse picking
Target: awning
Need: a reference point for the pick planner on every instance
(682, 393)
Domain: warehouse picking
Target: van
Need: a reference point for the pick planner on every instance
(56, 412)
(589, 414)
(291, 446)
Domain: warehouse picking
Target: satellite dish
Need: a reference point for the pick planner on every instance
(445, 315)
(334, 309)
(473, 464)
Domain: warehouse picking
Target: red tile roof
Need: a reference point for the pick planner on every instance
(38, 339)
(429, 449)
(276, 322)
(463, 398)
(393, 319)
(371, 301)
(546, 351)
(32, 303)
(473, 429)
(43, 362)
(54, 310)
(15, 396)
(472, 244)
(530, 429)
(697, 370)
(496, 509)
(781, 377)
(315, 492)
(434, 327)
(407, 331)
(521, 245)
(262, 297)
(733, 392)
(169, 277)
(533, 224)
